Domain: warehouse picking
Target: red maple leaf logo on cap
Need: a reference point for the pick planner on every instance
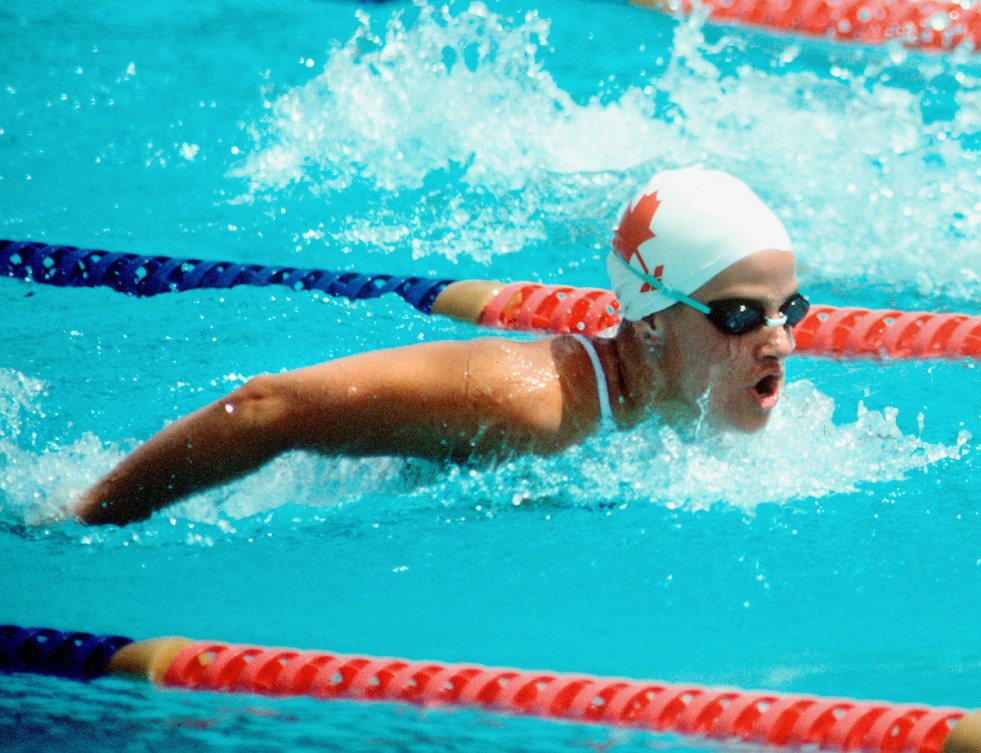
(634, 229)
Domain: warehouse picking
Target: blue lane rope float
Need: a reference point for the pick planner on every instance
(138, 275)
(76, 656)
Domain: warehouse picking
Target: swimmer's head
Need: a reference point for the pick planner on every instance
(679, 231)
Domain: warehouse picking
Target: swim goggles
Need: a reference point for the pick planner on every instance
(740, 316)
(733, 316)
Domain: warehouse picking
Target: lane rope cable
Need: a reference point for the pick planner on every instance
(523, 306)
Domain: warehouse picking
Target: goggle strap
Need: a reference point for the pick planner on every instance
(674, 295)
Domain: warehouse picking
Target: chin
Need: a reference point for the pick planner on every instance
(746, 415)
(734, 413)
(744, 424)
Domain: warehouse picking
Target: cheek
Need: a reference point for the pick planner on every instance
(705, 370)
(740, 349)
(721, 372)
(703, 360)
(717, 360)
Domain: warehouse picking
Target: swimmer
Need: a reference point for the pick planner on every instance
(705, 276)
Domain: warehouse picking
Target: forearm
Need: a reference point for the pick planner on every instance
(204, 449)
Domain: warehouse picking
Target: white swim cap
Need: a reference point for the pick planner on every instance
(683, 228)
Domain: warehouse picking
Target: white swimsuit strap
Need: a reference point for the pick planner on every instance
(603, 393)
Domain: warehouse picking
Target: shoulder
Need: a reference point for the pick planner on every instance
(543, 386)
(530, 394)
(500, 357)
(508, 371)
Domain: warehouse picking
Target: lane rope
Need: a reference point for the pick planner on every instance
(68, 266)
(521, 306)
(768, 718)
(928, 25)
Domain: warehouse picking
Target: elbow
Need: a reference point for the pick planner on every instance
(260, 409)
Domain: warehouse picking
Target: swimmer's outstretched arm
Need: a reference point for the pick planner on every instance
(438, 400)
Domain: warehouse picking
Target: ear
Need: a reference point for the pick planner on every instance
(649, 329)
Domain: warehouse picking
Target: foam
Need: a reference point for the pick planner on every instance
(448, 134)
(693, 470)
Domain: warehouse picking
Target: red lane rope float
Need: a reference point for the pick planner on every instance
(755, 717)
(825, 330)
(896, 334)
(529, 306)
(933, 25)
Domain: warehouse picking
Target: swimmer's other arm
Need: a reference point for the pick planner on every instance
(442, 400)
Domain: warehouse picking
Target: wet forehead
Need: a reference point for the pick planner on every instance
(768, 276)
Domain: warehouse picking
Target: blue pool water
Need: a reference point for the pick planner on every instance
(837, 553)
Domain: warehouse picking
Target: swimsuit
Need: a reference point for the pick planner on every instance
(602, 392)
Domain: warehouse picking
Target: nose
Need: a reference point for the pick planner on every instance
(778, 341)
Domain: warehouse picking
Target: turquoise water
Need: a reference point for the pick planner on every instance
(836, 553)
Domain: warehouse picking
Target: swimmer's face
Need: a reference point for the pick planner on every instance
(740, 377)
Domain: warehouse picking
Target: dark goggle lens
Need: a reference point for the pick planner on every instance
(735, 317)
(795, 309)
(739, 317)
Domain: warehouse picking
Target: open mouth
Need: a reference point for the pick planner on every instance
(766, 391)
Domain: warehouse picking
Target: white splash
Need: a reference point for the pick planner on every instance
(458, 108)
(460, 142)
(38, 482)
(654, 464)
